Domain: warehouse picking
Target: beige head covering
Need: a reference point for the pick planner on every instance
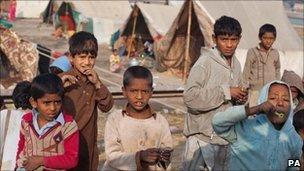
(293, 79)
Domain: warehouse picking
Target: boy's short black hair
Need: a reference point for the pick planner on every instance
(138, 72)
(46, 84)
(267, 28)
(227, 26)
(83, 42)
(21, 95)
(55, 70)
(298, 120)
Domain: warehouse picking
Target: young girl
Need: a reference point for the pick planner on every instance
(10, 125)
(48, 138)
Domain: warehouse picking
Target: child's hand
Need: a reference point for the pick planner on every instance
(68, 80)
(33, 162)
(165, 154)
(237, 93)
(92, 77)
(267, 108)
(149, 156)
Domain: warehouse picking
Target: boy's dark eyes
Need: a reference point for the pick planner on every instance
(56, 102)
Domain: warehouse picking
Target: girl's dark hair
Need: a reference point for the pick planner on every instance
(298, 120)
(267, 28)
(21, 95)
(227, 26)
(46, 84)
(137, 72)
(83, 42)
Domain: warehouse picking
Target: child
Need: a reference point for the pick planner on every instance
(61, 64)
(264, 142)
(298, 123)
(115, 63)
(49, 139)
(262, 63)
(84, 93)
(136, 137)
(10, 125)
(297, 90)
(213, 85)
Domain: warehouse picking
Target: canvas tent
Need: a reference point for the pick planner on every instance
(184, 39)
(102, 18)
(252, 15)
(30, 8)
(149, 21)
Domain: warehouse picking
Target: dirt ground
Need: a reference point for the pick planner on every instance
(32, 30)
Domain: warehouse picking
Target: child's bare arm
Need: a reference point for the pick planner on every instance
(33, 162)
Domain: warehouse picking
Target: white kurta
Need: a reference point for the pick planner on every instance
(8, 146)
(124, 136)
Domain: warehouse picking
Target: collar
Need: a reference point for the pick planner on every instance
(260, 48)
(124, 111)
(59, 119)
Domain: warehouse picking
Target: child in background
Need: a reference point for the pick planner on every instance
(262, 63)
(49, 139)
(298, 123)
(10, 125)
(115, 63)
(84, 94)
(61, 64)
(264, 142)
(296, 87)
(136, 138)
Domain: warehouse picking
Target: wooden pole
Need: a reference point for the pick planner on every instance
(187, 57)
(133, 31)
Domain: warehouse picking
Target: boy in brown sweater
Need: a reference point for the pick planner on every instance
(84, 92)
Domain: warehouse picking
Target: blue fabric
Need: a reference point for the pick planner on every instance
(254, 142)
(63, 63)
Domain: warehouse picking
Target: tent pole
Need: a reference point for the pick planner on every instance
(133, 31)
(186, 65)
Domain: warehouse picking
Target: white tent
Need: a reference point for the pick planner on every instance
(252, 15)
(107, 16)
(30, 8)
(158, 19)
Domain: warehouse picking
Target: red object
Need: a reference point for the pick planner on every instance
(57, 54)
(68, 22)
(71, 146)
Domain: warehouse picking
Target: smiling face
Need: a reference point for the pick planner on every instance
(226, 44)
(48, 106)
(279, 97)
(83, 62)
(138, 93)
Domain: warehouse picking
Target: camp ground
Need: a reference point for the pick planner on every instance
(251, 15)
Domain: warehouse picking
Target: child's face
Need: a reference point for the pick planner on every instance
(294, 92)
(48, 106)
(226, 44)
(279, 97)
(83, 62)
(267, 40)
(138, 93)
